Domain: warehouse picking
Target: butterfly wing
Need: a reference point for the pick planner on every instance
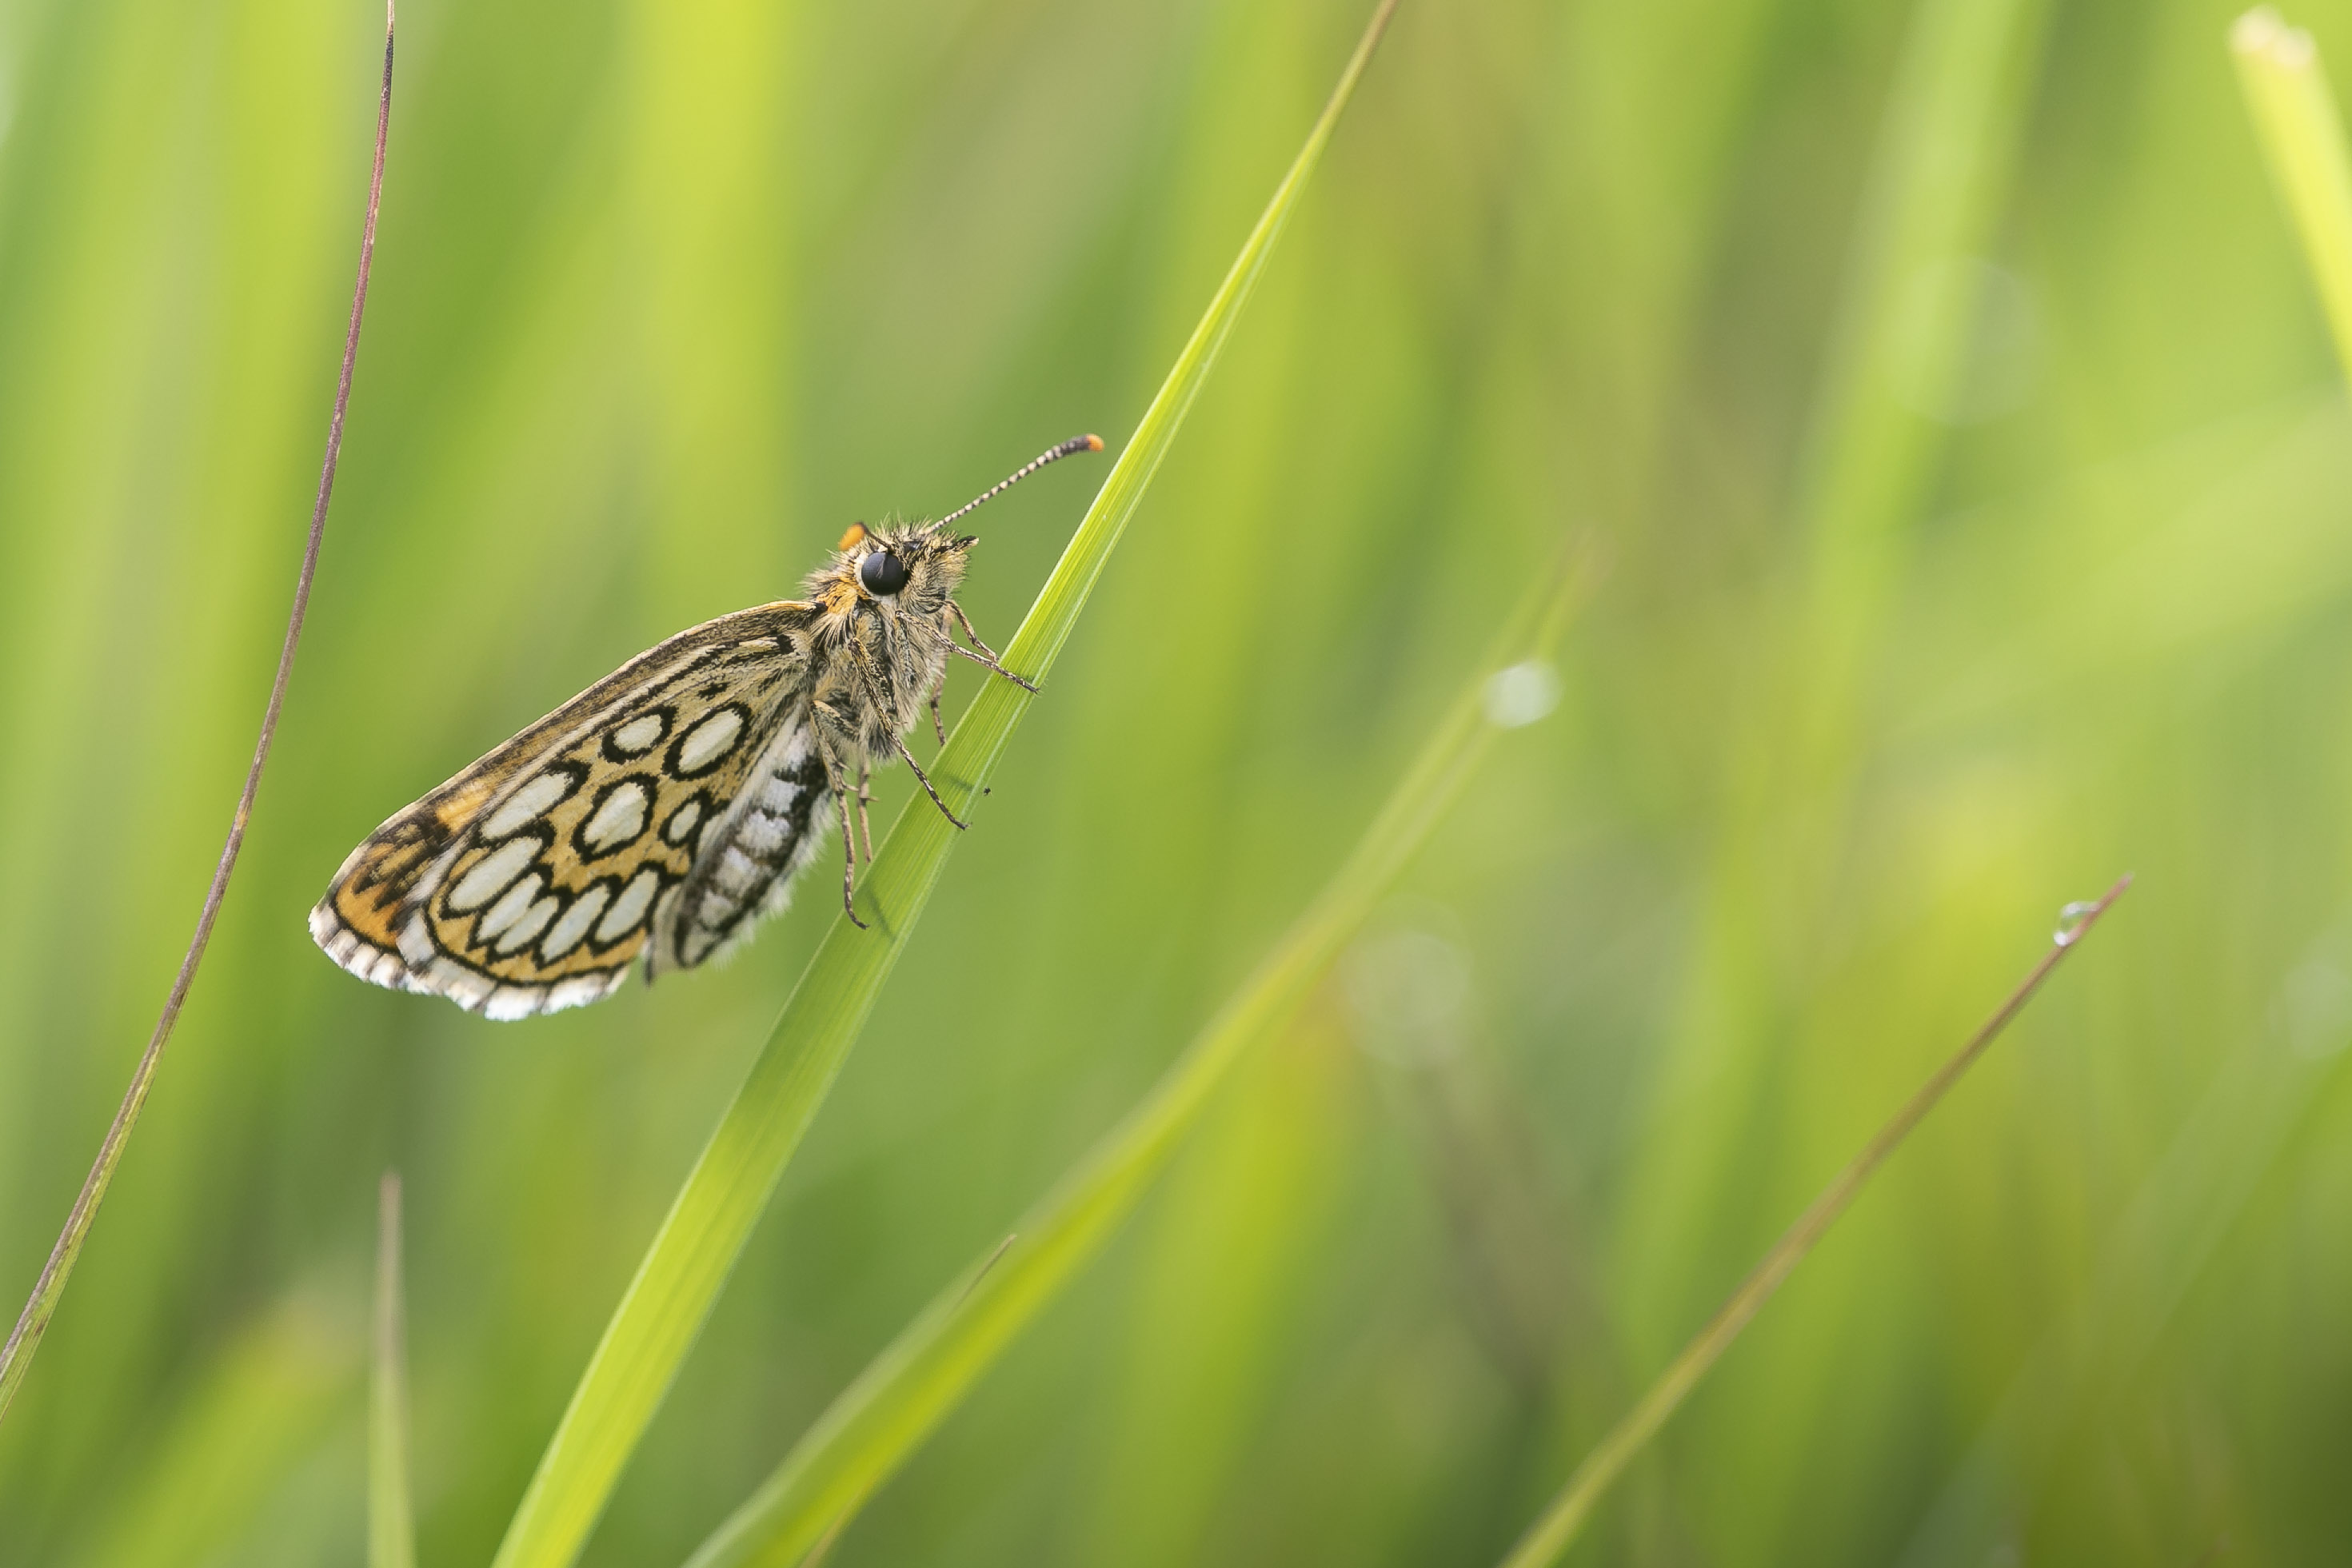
(746, 861)
(532, 880)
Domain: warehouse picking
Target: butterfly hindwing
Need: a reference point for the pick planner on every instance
(744, 866)
(532, 879)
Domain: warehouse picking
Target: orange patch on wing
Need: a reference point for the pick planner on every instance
(369, 900)
(370, 915)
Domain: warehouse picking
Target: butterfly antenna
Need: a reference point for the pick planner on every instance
(1077, 444)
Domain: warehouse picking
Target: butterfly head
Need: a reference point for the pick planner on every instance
(913, 568)
(908, 568)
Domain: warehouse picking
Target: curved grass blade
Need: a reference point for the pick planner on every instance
(25, 1339)
(682, 1273)
(924, 1373)
(1556, 1527)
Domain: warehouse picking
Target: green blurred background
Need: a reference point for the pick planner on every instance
(1939, 383)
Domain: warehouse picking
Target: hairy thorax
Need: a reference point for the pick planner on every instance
(880, 659)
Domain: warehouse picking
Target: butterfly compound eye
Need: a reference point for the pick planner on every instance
(882, 573)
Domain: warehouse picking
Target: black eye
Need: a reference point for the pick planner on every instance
(882, 573)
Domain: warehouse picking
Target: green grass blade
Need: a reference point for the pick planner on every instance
(2302, 139)
(1556, 1529)
(1942, 169)
(1945, 157)
(912, 1385)
(704, 1232)
(392, 1526)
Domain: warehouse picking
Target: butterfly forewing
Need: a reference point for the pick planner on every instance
(532, 880)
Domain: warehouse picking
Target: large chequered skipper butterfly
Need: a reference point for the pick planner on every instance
(665, 811)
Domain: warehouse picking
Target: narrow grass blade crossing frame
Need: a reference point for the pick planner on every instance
(688, 1264)
(16, 1357)
(2302, 139)
(392, 1523)
(924, 1373)
(1552, 1533)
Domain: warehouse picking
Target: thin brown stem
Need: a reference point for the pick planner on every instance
(16, 1357)
(1551, 1533)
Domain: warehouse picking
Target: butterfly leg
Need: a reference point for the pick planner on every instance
(849, 866)
(924, 780)
(965, 621)
(986, 656)
(987, 663)
(864, 799)
(848, 845)
(938, 727)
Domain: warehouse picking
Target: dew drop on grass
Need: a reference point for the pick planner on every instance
(2070, 920)
(1521, 695)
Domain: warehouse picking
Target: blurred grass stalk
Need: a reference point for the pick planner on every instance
(215, 1456)
(924, 1373)
(2188, 1202)
(25, 1339)
(1556, 1527)
(1941, 168)
(699, 1240)
(2302, 136)
(2180, 1215)
(391, 1529)
(1898, 354)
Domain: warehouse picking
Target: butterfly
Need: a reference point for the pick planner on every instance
(663, 813)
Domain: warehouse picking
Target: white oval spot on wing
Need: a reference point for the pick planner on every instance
(567, 932)
(640, 734)
(529, 802)
(630, 907)
(681, 821)
(534, 920)
(621, 818)
(510, 908)
(491, 873)
(709, 741)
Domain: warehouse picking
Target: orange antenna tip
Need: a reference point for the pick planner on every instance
(1094, 443)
